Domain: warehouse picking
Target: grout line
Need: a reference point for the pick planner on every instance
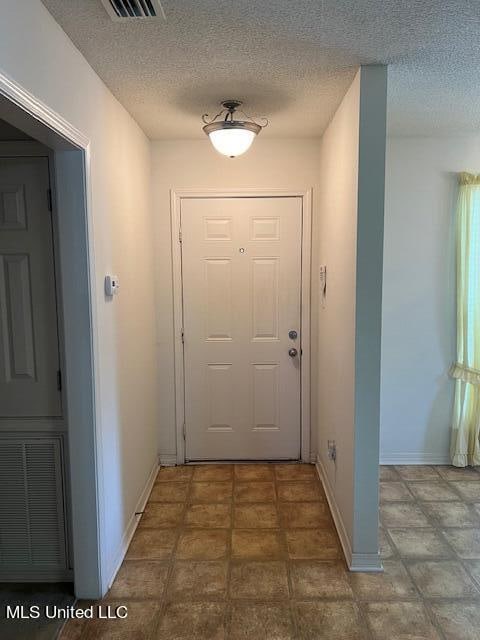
(171, 563)
(433, 619)
(292, 602)
(229, 556)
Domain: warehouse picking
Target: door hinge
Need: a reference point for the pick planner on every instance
(184, 430)
(180, 235)
(49, 200)
(182, 335)
(59, 380)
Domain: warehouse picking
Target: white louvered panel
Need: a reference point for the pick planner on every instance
(45, 502)
(32, 531)
(14, 531)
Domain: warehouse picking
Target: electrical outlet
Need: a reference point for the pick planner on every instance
(332, 450)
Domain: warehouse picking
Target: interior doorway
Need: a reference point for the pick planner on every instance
(70, 183)
(34, 516)
(242, 310)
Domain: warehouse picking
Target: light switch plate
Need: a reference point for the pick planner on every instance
(111, 286)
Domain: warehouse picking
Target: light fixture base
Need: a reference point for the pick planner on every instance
(231, 105)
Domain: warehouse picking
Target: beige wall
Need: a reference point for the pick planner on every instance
(52, 69)
(337, 237)
(350, 242)
(285, 164)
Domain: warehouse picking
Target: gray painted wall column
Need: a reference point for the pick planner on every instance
(368, 310)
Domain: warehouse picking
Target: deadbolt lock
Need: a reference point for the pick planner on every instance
(293, 335)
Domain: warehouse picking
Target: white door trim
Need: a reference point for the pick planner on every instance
(22, 98)
(176, 196)
(82, 381)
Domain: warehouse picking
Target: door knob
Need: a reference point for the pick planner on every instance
(292, 352)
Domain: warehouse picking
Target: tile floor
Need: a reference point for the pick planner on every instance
(250, 552)
(430, 543)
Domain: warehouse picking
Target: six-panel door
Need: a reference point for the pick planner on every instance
(241, 268)
(29, 352)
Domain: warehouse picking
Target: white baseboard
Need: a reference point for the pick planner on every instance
(132, 525)
(366, 563)
(167, 459)
(415, 458)
(337, 518)
(358, 562)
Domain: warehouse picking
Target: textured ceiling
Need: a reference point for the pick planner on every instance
(290, 61)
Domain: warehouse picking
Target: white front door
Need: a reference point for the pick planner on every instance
(29, 353)
(241, 269)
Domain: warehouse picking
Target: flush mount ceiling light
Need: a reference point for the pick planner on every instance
(231, 137)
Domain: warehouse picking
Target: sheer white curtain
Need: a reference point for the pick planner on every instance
(466, 416)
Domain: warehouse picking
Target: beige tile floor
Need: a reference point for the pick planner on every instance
(250, 552)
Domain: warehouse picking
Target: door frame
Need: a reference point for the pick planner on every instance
(176, 197)
(72, 188)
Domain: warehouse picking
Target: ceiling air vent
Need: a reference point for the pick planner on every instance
(132, 9)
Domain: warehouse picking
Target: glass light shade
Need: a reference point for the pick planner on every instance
(232, 142)
(232, 138)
